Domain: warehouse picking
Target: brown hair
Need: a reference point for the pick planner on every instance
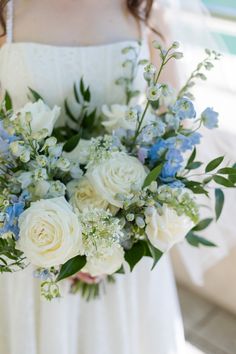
(140, 9)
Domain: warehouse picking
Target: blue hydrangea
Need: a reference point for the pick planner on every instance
(184, 109)
(11, 219)
(210, 118)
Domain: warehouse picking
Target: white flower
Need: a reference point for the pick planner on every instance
(166, 229)
(116, 175)
(42, 117)
(25, 179)
(117, 117)
(107, 263)
(83, 196)
(80, 153)
(41, 189)
(50, 233)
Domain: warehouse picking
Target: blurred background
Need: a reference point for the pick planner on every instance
(209, 309)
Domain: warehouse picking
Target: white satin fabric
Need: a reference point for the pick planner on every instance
(140, 313)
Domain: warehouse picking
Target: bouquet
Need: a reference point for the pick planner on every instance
(111, 186)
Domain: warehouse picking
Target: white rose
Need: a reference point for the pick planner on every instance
(107, 263)
(83, 196)
(117, 175)
(167, 229)
(116, 118)
(42, 117)
(80, 153)
(50, 233)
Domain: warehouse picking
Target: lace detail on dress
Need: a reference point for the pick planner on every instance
(9, 24)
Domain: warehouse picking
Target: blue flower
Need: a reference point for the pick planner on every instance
(184, 109)
(210, 118)
(184, 143)
(157, 150)
(176, 184)
(195, 138)
(173, 122)
(11, 219)
(173, 164)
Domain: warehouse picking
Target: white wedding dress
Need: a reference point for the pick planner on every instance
(139, 314)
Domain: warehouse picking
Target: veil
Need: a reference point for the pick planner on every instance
(191, 24)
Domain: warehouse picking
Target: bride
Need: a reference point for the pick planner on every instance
(48, 45)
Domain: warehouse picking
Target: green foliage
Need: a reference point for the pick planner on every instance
(11, 259)
(155, 253)
(203, 224)
(223, 181)
(8, 101)
(196, 241)
(71, 267)
(134, 255)
(72, 143)
(153, 175)
(34, 96)
(219, 202)
(212, 165)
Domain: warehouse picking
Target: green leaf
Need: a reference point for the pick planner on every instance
(223, 181)
(152, 176)
(87, 95)
(88, 120)
(194, 165)
(214, 164)
(227, 171)
(72, 143)
(68, 112)
(76, 94)
(219, 202)
(36, 96)
(192, 156)
(71, 267)
(134, 255)
(82, 88)
(155, 253)
(196, 241)
(8, 101)
(121, 270)
(202, 225)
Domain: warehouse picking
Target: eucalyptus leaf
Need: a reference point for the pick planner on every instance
(202, 225)
(227, 171)
(223, 181)
(153, 175)
(71, 267)
(196, 241)
(214, 164)
(219, 202)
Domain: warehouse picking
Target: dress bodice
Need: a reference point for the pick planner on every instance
(52, 71)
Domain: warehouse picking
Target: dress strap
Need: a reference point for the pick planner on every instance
(9, 22)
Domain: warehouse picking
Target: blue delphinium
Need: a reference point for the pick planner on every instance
(172, 121)
(210, 118)
(176, 184)
(157, 150)
(184, 109)
(172, 165)
(12, 214)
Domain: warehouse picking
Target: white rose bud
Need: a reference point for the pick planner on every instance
(50, 233)
(167, 229)
(41, 189)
